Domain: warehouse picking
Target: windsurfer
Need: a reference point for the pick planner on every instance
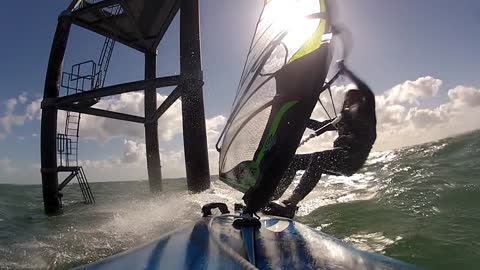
(356, 126)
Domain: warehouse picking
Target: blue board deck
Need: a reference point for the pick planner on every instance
(214, 243)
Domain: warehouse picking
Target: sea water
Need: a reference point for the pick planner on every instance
(419, 204)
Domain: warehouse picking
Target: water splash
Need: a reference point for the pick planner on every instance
(373, 242)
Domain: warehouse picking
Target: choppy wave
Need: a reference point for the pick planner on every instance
(418, 204)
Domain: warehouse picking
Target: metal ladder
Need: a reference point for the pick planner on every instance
(104, 62)
(83, 76)
(84, 186)
(79, 173)
(80, 79)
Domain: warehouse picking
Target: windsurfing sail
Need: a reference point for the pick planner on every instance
(284, 73)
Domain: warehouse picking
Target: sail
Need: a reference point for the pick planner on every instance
(283, 75)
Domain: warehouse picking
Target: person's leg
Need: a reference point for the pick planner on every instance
(331, 161)
(299, 162)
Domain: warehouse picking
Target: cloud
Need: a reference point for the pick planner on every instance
(463, 95)
(6, 167)
(425, 118)
(132, 164)
(133, 152)
(19, 172)
(33, 111)
(10, 104)
(410, 91)
(421, 124)
(214, 127)
(173, 164)
(11, 118)
(22, 98)
(104, 129)
(390, 115)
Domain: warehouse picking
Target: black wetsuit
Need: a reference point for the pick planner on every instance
(356, 135)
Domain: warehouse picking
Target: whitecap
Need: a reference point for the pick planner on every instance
(373, 242)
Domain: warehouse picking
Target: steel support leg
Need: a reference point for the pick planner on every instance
(151, 128)
(51, 197)
(194, 131)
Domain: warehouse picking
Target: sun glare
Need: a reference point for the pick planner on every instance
(291, 16)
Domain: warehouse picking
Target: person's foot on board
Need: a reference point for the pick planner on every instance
(281, 209)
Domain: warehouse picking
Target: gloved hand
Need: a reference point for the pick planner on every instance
(341, 66)
(288, 203)
(336, 120)
(280, 209)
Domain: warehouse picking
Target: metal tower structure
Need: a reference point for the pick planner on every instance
(139, 24)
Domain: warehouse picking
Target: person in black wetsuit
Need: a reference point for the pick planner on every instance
(356, 128)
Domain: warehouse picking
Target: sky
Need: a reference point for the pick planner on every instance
(419, 57)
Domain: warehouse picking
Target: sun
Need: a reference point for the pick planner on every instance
(292, 16)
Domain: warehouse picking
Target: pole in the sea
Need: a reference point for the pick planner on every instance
(151, 128)
(194, 130)
(51, 195)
